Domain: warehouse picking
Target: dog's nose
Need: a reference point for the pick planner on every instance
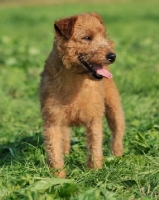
(111, 57)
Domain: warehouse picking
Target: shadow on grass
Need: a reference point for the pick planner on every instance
(31, 151)
(21, 149)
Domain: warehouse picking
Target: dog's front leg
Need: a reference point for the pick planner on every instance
(94, 144)
(54, 149)
(115, 117)
(66, 140)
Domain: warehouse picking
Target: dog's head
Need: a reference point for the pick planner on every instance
(83, 45)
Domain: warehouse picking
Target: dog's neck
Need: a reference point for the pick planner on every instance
(65, 81)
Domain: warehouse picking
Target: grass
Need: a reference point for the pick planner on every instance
(25, 41)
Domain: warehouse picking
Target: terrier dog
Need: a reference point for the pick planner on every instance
(77, 89)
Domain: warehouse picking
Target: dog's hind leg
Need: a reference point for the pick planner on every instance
(115, 117)
(54, 149)
(94, 143)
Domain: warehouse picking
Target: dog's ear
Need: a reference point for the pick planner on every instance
(97, 16)
(64, 27)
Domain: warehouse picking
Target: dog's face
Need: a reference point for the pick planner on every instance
(83, 45)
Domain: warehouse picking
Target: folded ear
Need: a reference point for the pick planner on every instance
(65, 27)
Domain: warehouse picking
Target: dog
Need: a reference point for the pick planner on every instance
(77, 89)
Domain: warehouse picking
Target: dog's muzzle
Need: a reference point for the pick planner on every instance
(96, 70)
(90, 68)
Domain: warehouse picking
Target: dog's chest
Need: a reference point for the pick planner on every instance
(85, 106)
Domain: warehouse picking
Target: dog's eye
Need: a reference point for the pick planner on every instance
(87, 38)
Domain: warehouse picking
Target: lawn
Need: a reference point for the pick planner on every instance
(26, 38)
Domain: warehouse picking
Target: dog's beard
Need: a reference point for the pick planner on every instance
(97, 71)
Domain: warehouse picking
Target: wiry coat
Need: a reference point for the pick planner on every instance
(70, 96)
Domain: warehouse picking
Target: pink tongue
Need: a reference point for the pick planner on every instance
(104, 72)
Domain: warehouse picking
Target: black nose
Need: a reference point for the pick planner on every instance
(111, 57)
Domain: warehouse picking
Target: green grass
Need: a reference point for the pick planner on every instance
(25, 41)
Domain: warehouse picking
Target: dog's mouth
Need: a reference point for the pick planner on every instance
(97, 71)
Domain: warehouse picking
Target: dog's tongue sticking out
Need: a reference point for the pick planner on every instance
(103, 72)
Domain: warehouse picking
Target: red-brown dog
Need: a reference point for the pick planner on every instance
(77, 89)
